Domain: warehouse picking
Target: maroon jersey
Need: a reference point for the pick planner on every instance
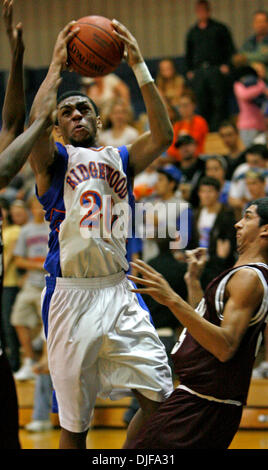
(200, 370)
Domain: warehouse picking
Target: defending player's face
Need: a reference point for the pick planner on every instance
(247, 229)
(77, 121)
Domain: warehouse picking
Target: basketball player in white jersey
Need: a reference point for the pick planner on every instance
(100, 338)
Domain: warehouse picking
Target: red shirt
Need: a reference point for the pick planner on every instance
(197, 127)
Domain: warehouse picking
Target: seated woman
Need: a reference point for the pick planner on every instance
(170, 84)
(216, 167)
(118, 129)
(104, 89)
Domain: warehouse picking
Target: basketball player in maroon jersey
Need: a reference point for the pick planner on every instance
(15, 146)
(215, 353)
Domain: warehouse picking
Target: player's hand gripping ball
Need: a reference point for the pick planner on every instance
(95, 50)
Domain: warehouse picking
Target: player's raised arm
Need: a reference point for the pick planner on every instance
(14, 156)
(42, 155)
(13, 112)
(245, 293)
(151, 144)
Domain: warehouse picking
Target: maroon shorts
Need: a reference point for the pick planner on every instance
(185, 421)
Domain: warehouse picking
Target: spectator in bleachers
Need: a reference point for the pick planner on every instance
(216, 167)
(256, 157)
(28, 182)
(30, 253)
(192, 169)
(169, 82)
(250, 91)
(189, 123)
(173, 113)
(236, 152)
(42, 396)
(11, 191)
(11, 280)
(209, 49)
(255, 48)
(104, 89)
(144, 182)
(159, 216)
(264, 139)
(19, 212)
(214, 225)
(118, 130)
(256, 185)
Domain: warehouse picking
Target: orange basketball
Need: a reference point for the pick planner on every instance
(95, 50)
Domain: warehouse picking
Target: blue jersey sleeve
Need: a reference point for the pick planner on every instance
(53, 198)
(53, 203)
(123, 151)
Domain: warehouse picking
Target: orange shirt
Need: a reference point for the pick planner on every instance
(197, 128)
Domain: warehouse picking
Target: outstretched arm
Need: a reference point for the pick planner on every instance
(13, 112)
(244, 291)
(43, 153)
(151, 144)
(15, 155)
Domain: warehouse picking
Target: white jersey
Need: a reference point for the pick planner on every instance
(87, 206)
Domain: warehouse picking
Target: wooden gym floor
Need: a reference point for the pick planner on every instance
(114, 438)
(108, 430)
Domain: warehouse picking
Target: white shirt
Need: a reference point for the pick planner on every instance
(205, 223)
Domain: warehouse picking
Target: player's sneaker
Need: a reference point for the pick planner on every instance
(261, 372)
(39, 426)
(26, 371)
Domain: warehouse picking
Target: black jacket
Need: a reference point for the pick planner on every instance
(212, 45)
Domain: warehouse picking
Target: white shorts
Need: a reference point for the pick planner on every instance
(101, 342)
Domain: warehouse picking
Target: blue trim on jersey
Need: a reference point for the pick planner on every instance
(54, 406)
(141, 302)
(131, 244)
(134, 245)
(124, 154)
(50, 288)
(54, 207)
